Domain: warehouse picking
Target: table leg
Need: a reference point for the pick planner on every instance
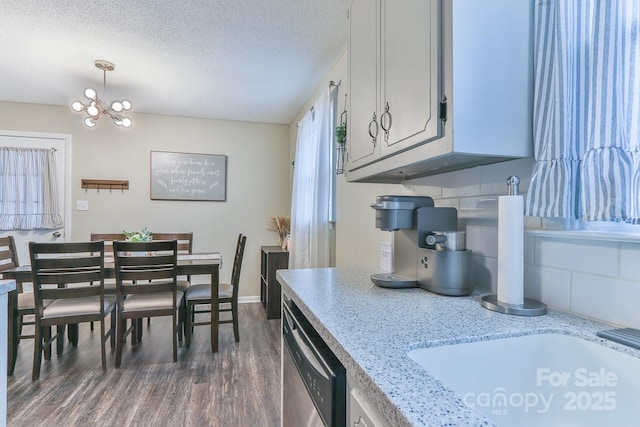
(215, 315)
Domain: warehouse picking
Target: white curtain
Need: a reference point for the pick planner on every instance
(28, 189)
(313, 186)
(586, 111)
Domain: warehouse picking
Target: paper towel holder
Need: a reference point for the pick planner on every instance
(529, 307)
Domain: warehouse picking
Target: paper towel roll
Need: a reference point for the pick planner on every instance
(511, 249)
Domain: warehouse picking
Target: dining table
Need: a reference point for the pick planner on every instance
(205, 263)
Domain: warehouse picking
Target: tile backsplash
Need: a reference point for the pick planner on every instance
(594, 278)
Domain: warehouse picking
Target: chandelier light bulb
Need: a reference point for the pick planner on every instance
(117, 106)
(77, 106)
(90, 93)
(126, 104)
(93, 111)
(89, 122)
(126, 122)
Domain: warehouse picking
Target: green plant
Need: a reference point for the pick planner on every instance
(143, 235)
(341, 133)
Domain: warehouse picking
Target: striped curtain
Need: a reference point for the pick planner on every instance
(586, 111)
(28, 189)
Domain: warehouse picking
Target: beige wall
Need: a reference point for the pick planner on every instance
(258, 181)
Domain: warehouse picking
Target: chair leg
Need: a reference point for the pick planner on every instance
(139, 329)
(234, 314)
(74, 334)
(134, 332)
(181, 313)
(113, 329)
(20, 321)
(175, 337)
(102, 346)
(120, 325)
(187, 325)
(37, 353)
(14, 340)
(60, 338)
(46, 335)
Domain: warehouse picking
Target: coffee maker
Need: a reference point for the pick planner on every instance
(428, 250)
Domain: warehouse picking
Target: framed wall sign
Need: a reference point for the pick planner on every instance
(188, 176)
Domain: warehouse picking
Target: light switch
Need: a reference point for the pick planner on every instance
(82, 205)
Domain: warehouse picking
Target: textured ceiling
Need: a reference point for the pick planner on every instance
(250, 60)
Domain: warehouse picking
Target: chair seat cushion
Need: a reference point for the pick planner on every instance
(77, 306)
(110, 287)
(26, 302)
(150, 302)
(203, 292)
(182, 285)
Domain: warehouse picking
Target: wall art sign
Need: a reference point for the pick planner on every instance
(188, 176)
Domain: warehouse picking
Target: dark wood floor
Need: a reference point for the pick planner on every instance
(238, 386)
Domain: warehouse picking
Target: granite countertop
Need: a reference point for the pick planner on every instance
(371, 330)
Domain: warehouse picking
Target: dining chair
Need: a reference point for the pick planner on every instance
(145, 287)
(25, 304)
(198, 297)
(185, 246)
(71, 275)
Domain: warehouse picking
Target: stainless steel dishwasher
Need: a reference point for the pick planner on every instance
(313, 379)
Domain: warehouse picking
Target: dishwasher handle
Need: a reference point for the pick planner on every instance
(303, 343)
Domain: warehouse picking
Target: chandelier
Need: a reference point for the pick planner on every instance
(95, 108)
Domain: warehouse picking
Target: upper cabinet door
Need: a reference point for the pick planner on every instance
(363, 125)
(411, 66)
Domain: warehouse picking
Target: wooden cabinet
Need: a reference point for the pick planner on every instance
(393, 106)
(437, 86)
(273, 258)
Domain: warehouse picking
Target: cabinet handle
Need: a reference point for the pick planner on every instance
(386, 113)
(373, 123)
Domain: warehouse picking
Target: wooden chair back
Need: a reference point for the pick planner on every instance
(75, 268)
(108, 239)
(8, 256)
(237, 265)
(145, 267)
(185, 240)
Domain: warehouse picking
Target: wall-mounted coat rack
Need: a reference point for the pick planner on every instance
(105, 184)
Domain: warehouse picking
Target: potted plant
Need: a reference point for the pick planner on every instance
(143, 235)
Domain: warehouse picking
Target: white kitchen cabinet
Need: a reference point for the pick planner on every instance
(364, 75)
(456, 76)
(393, 106)
(360, 410)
